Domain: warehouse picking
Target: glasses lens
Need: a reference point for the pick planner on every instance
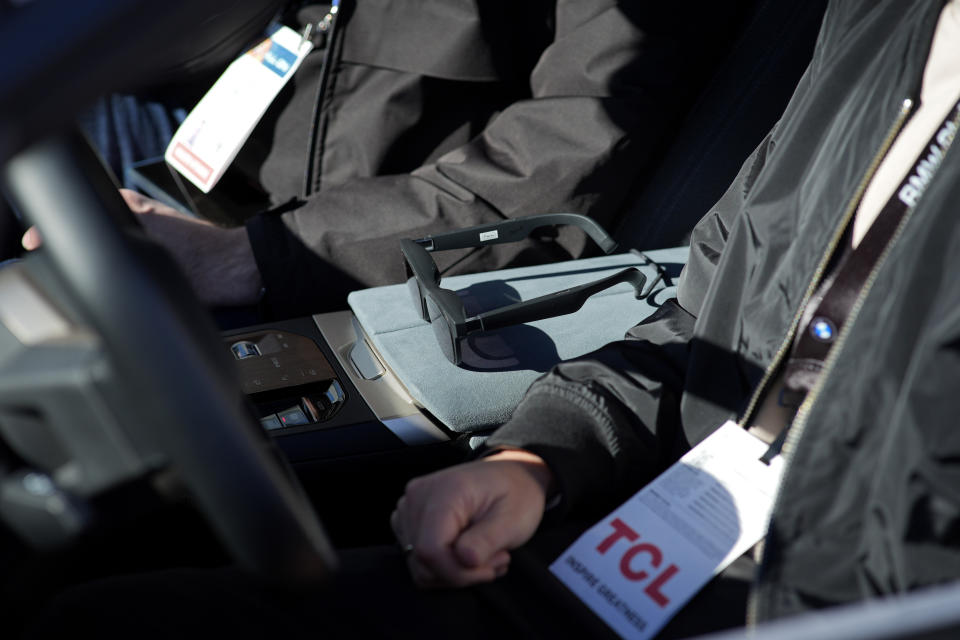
(443, 331)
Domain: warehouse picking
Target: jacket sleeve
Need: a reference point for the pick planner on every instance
(608, 422)
(603, 94)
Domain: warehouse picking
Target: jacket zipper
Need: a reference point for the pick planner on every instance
(799, 421)
(327, 29)
(774, 366)
(906, 108)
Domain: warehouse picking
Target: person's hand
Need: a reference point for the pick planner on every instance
(218, 261)
(458, 525)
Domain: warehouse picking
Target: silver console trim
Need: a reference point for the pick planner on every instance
(385, 395)
(364, 360)
(415, 429)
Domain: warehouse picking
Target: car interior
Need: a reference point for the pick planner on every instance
(136, 435)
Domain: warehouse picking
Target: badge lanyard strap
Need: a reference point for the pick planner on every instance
(840, 290)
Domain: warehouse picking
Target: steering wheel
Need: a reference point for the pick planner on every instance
(172, 389)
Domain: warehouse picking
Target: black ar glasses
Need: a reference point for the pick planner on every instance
(444, 309)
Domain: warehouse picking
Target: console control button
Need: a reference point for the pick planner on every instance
(334, 393)
(244, 349)
(292, 417)
(271, 422)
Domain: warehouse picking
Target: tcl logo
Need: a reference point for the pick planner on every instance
(628, 566)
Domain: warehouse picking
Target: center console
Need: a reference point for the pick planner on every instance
(373, 378)
(342, 419)
(322, 392)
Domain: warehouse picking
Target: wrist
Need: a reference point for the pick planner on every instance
(531, 463)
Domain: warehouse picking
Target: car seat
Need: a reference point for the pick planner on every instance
(739, 105)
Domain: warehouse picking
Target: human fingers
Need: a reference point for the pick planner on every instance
(398, 517)
(432, 559)
(418, 571)
(427, 521)
(31, 239)
(139, 203)
(463, 521)
(488, 539)
(510, 519)
(467, 528)
(396, 524)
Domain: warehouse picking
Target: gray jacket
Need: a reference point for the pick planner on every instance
(442, 114)
(870, 500)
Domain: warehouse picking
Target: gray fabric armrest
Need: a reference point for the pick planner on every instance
(499, 366)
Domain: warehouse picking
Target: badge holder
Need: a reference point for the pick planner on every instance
(638, 566)
(213, 133)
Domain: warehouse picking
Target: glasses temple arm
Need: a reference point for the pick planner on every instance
(516, 229)
(553, 304)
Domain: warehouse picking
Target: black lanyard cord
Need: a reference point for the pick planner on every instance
(838, 292)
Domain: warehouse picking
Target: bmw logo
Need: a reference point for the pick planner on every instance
(823, 330)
